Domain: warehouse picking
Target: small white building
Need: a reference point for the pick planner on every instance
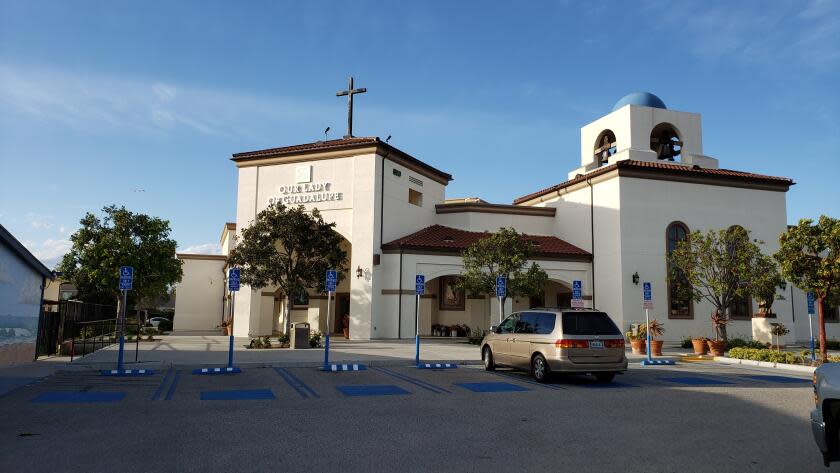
(22, 281)
(643, 183)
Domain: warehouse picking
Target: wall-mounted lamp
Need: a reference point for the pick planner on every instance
(359, 272)
(636, 278)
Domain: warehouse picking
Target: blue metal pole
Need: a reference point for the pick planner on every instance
(121, 356)
(327, 351)
(122, 352)
(327, 338)
(230, 352)
(417, 331)
(647, 332)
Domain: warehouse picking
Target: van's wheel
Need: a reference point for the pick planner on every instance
(487, 357)
(604, 377)
(539, 368)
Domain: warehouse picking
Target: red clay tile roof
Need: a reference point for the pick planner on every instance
(343, 143)
(318, 145)
(447, 239)
(666, 168)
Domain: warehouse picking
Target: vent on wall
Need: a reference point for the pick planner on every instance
(415, 181)
(397, 172)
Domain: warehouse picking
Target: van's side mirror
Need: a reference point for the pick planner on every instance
(494, 328)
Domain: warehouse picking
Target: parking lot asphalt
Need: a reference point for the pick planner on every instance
(689, 417)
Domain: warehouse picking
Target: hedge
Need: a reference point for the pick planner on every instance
(763, 354)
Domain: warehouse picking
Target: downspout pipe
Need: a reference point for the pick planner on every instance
(592, 234)
(399, 298)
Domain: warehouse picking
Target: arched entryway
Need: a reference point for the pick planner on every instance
(555, 293)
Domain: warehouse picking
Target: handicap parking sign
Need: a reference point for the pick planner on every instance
(501, 286)
(577, 294)
(332, 279)
(647, 295)
(420, 284)
(126, 278)
(233, 279)
(811, 310)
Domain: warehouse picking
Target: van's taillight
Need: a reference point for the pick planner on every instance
(614, 343)
(571, 343)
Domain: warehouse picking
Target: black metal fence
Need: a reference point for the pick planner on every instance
(94, 324)
(87, 337)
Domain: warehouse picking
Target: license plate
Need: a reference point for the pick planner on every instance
(596, 344)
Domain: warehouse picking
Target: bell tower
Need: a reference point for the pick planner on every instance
(640, 127)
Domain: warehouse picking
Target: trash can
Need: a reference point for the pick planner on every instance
(299, 338)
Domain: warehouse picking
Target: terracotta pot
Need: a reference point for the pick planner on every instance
(700, 346)
(638, 346)
(227, 330)
(717, 347)
(656, 347)
(346, 332)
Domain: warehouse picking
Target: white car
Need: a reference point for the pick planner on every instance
(825, 418)
(155, 321)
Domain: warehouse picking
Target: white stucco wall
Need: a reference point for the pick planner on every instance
(198, 301)
(491, 222)
(20, 286)
(649, 206)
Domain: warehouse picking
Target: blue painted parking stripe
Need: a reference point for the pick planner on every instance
(372, 390)
(172, 386)
(165, 380)
(302, 388)
(417, 382)
(497, 387)
(237, 395)
(528, 381)
(79, 397)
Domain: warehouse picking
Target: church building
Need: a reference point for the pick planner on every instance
(642, 185)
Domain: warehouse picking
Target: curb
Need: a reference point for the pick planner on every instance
(765, 364)
(408, 363)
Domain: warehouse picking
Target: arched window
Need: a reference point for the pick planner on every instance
(679, 306)
(665, 140)
(741, 307)
(605, 146)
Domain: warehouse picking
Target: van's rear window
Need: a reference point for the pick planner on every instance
(588, 323)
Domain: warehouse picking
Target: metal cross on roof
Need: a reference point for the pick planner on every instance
(349, 93)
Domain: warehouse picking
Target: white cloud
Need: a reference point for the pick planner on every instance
(40, 222)
(50, 251)
(755, 33)
(203, 249)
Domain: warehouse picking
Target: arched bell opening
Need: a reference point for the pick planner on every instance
(666, 142)
(605, 146)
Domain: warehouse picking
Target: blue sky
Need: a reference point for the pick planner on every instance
(142, 103)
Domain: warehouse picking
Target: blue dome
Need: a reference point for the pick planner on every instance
(643, 99)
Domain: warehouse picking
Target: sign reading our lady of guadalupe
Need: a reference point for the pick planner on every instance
(309, 192)
(305, 191)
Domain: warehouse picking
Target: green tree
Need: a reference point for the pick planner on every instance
(503, 253)
(121, 238)
(720, 267)
(289, 248)
(809, 255)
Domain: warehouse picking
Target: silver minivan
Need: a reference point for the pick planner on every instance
(556, 340)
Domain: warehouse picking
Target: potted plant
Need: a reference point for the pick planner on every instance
(718, 345)
(227, 327)
(453, 330)
(283, 340)
(656, 330)
(637, 340)
(700, 345)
